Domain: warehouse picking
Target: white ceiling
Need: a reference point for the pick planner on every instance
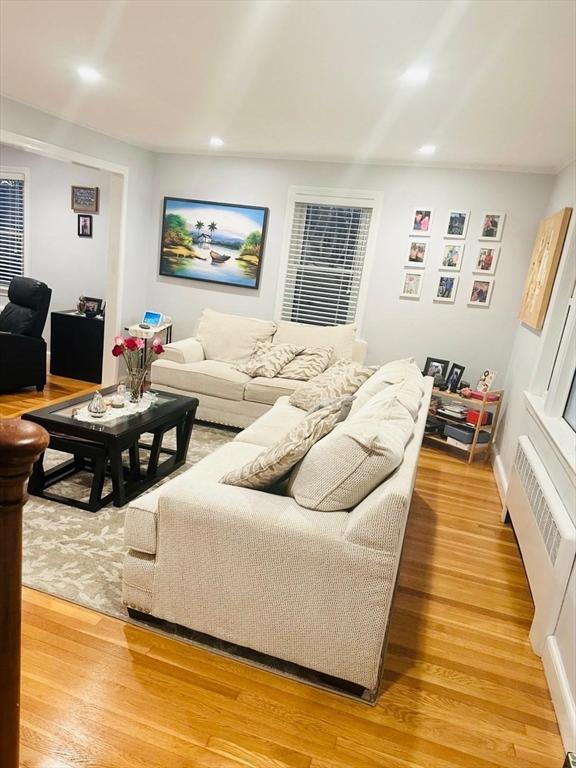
(316, 79)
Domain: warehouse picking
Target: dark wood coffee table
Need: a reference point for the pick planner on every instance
(98, 448)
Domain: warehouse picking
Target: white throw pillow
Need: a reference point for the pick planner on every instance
(340, 337)
(275, 462)
(268, 359)
(358, 455)
(231, 338)
(406, 392)
(342, 378)
(394, 372)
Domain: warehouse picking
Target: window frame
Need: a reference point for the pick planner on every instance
(332, 196)
(20, 173)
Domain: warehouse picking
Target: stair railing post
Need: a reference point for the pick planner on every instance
(21, 444)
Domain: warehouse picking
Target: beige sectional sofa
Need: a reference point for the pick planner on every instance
(203, 366)
(258, 570)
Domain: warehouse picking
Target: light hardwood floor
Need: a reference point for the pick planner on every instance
(57, 388)
(463, 689)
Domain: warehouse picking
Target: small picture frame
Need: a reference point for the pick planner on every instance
(446, 289)
(92, 306)
(452, 257)
(84, 225)
(455, 376)
(421, 222)
(435, 366)
(417, 252)
(481, 293)
(492, 226)
(412, 285)
(85, 199)
(487, 260)
(457, 224)
(485, 381)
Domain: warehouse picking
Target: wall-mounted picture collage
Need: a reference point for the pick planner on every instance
(482, 256)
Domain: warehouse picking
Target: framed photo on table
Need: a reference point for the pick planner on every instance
(455, 376)
(457, 224)
(435, 366)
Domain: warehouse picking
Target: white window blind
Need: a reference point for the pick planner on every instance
(11, 227)
(326, 261)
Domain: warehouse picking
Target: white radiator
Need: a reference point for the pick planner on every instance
(546, 535)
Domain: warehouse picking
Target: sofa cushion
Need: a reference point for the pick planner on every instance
(408, 393)
(231, 337)
(275, 462)
(207, 377)
(342, 378)
(340, 337)
(340, 470)
(270, 427)
(262, 390)
(394, 372)
(268, 359)
(308, 363)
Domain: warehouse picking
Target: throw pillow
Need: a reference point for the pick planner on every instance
(275, 462)
(268, 359)
(354, 459)
(342, 378)
(308, 363)
(395, 372)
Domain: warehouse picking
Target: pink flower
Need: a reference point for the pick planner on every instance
(132, 343)
(157, 347)
(119, 341)
(117, 350)
(139, 343)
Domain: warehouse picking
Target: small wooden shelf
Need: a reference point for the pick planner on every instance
(472, 403)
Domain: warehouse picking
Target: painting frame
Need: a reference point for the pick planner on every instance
(455, 267)
(406, 279)
(85, 199)
(485, 303)
(485, 228)
(413, 244)
(429, 216)
(451, 298)
(213, 205)
(544, 262)
(84, 225)
(452, 227)
(478, 270)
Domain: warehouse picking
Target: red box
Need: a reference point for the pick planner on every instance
(472, 417)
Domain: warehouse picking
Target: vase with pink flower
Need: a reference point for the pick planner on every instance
(138, 357)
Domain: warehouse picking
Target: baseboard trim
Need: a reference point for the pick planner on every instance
(501, 480)
(562, 698)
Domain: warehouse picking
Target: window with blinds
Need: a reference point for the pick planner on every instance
(326, 260)
(11, 227)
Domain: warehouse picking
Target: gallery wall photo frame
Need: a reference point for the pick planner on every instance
(446, 289)
(452, 257)
(85, 199)
(421, 221)
(213, 242)
(487, 260)
(481, 293)
(492, 226)
(417, 253)
(412, 285)
(457, 224)
(84, 225)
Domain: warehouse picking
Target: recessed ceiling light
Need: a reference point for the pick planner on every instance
(89, 74)
(216, 141)
(416, 75)
(427, 149)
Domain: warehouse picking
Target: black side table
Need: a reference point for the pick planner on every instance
(76, 346)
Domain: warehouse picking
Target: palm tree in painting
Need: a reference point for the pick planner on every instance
(199, 226)
(212, 227)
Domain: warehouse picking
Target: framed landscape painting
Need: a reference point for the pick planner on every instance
(213, 242)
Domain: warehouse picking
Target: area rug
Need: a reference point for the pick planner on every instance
(78, 555)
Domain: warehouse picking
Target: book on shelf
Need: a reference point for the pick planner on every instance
(458, 443)
(451, 414)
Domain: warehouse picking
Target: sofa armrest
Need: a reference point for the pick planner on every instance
(185, 351)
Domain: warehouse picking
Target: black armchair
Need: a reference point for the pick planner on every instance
(22, 348)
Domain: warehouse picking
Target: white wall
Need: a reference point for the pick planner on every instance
(477, 338)
(70, 265)
(140, 253)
